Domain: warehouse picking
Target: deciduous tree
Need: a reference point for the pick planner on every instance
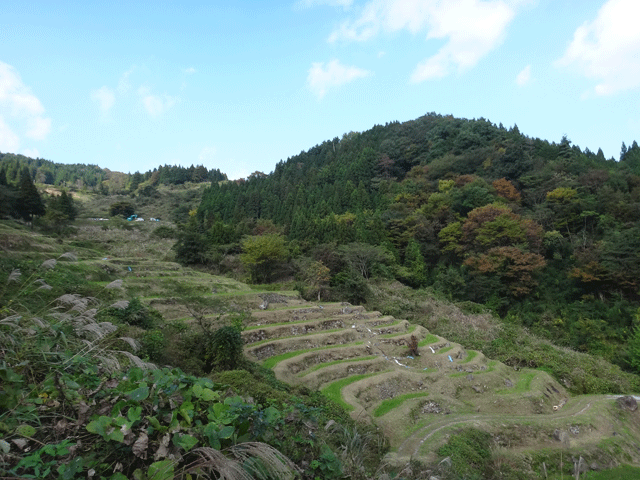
(262, 254)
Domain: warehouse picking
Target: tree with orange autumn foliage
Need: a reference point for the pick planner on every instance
(505, 189)
(515, 267)
(498, 242)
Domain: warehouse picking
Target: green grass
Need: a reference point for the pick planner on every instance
(336, 362)
(273, 361)
(623, 472)
(391, 335)
(428, 340)
(334, 390)
(387, 405)
(522, 385)
(471, 355)
(443, 350)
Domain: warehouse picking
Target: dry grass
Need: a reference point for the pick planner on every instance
(135, 243)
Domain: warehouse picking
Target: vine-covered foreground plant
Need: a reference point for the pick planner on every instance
(76, 402)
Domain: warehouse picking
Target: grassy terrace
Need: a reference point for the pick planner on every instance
(389, 404)
(280, 324)
(523, 384)
(273, 361)
(334, 390)
(269, 340)
(335, 362)
(470, 356)
(428, 340)
(392, 335)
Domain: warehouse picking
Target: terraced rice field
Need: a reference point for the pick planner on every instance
(361, 360)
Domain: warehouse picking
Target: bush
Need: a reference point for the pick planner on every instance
(225, 350)
(122, 208)
(165, 231)
(153, 346)
(136, 315)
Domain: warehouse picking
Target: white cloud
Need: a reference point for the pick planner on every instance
(9, 141)
(104, 97)
(524, 76)
(207, 153)
(123, 84)
(155, 105)
(472, 29)
(190, 71)
(38, 128)
(334, 74)
(608, 48)
(23, 112)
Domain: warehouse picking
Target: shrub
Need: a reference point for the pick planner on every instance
(225, 349)
(153, 345)
(136, 315)
(121, 208)
(165, 231)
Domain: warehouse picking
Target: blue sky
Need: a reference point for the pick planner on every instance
(241, 85)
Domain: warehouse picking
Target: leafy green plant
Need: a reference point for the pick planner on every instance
(153, 345)
(327, 465)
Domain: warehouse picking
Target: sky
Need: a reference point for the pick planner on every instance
(240, 85)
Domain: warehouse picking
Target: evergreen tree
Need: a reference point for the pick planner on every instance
(136, 180)
(414, 262)
(30, 203)
(63, 203)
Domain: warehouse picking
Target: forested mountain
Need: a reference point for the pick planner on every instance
(50, 173)
(103, 180)
(545, 234)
